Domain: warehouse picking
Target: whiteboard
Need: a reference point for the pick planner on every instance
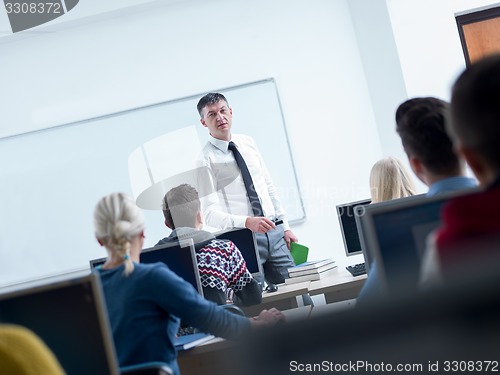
(52, 179)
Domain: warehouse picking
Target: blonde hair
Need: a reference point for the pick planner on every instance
(117, 220)
(389, 179)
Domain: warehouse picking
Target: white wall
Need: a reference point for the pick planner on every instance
(385, 80)
(163, 52)
(428, 43)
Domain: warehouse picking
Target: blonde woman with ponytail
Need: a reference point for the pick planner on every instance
(389, 179)
(146, 301)
(119, 227)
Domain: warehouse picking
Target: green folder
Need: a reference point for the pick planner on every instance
(299, 253)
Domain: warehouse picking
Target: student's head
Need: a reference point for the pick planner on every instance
(181, 207)
(389, 179)
(421, 124)
(216, 115)
(475, 117)
(118, 222)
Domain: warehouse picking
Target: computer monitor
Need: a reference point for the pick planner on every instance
(180, 257)
(70, 316)
(395, 233)
(94, 263)
(348, 227)
(244, 239)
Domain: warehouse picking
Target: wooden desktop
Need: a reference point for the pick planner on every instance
(214, 356)
(285, 298)
(338, 287)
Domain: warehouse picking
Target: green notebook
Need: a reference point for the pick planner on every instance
(299, 253)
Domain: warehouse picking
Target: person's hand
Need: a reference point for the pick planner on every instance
(289, 237)
(267, 318)
(259, 224)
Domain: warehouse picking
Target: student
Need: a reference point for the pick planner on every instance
(145, 302)
(246, 200)
(470, 229)
(389, 179)
(421, 124)
(223, 271)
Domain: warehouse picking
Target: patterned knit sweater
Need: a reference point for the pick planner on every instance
(222, 268)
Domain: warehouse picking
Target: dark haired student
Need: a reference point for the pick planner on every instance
(469, 238)
(223, 271)
(421, 124)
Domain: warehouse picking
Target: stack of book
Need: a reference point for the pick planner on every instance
(311, 271)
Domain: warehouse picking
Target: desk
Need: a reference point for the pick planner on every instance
(285, 298)
(215, 356)
(340, 286)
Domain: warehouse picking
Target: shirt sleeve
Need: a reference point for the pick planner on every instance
(213, 209)
(178, 297)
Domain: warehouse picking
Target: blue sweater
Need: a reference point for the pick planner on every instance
(145, 309)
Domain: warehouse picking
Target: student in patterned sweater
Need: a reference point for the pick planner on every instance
(469, 237)
(223, 271)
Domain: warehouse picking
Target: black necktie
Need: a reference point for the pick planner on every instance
(247, 180)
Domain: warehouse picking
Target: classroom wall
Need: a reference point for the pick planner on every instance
(428, 43)
(318, 52)
(428, 46)
(382, 67)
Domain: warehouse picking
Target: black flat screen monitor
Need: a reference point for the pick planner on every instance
(70, 316)
(244, 239)
(180, 257)
(348, 227)
(396, 234)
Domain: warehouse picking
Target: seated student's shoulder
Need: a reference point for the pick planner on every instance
(470, 226)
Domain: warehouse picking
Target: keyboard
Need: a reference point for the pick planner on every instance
(188, 330)
(357, 269)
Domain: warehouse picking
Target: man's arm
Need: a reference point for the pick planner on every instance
(259, 224)
(214, 210)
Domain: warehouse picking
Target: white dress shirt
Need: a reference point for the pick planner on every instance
(223, 197)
